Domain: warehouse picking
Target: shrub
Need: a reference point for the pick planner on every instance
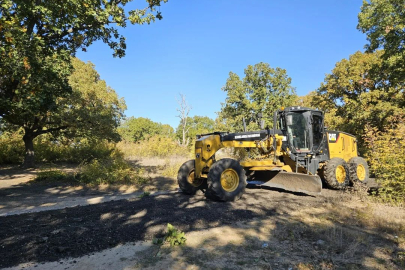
(74, 151)
(156, 146)
(387, 161)
(174, 236)
(111, 170)
(11, 148)
(55, 175)
(49, 149)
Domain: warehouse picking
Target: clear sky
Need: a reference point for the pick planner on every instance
(198, 42)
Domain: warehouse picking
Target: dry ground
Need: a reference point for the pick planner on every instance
(266, 229)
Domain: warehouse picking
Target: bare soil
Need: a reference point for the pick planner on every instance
(266, 229)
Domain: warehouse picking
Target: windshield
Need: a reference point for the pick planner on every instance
(297, 131)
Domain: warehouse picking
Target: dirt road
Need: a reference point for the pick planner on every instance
(266, 229)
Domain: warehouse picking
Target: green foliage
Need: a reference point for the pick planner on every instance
(354, 97)
(91, 110)
(50, 149)
(138, 129)
(37, 40)
(156, 146)
(262, 90)
(55, 176)
(383, 21)
(194, 126)
(111, 170)
(11, 148)
(387, 160)
(174, 236)
(171, 168)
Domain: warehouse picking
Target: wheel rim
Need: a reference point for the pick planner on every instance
(361, 172)
(229, 180)
(193, 181)
(340, 174)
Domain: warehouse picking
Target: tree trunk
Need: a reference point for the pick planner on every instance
(29, 159)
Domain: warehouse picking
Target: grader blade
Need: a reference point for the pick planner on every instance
(295, 182)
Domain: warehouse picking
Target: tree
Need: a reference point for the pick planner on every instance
(262, 90)
(195, 125)
(92, 110)
(354, 97)
(38, 38)
(138, 129)
(183, 110)
(383, 21)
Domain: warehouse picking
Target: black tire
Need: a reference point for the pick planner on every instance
(233, 182)
(358, 170)
(185, 178)
(336, 173)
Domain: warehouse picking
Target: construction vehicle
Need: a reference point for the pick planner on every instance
(296, 154)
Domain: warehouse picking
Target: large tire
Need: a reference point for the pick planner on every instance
(226, 180)
(358, 170)
(185, 178)
(336, 173)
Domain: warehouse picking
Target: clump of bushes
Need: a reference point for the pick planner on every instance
(11, 148)
(53, 175)
(156, 146)
(48, 149)
(112, 170)
(387, 161)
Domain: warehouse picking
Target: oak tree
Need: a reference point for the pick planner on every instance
(263, 90)
(383, 21)
(91, 110)
(38, 38)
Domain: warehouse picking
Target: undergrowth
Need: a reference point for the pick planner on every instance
(113, 169)
(156, 146)
(173, 236)
(387, 160)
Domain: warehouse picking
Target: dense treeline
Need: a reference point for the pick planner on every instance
(57, 107)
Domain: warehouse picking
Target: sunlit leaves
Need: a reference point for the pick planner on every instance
(383, 21)
(263, 90)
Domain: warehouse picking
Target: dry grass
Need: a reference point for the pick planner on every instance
(346, 231)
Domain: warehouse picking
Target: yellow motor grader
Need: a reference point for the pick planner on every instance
(294, 155)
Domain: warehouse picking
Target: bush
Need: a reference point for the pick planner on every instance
(55, 176)
(49, 149)
(111, 170)
(156, 146)
(387, 161)
(73, 151)
(11, 148)
(173, 236)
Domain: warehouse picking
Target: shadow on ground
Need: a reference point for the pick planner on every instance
(78, 231)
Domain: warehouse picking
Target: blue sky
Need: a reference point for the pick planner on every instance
(198, 42)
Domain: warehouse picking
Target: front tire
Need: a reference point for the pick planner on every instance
(226, 180)
(186, 180)
(336, 173)
(358, 170)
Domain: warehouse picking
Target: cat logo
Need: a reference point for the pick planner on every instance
(332, 137)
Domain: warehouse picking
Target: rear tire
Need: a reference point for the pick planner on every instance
(226, 180)
(185, 178)
(358, 170)
(336, 173)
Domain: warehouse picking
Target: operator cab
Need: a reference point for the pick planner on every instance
(303, 128)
